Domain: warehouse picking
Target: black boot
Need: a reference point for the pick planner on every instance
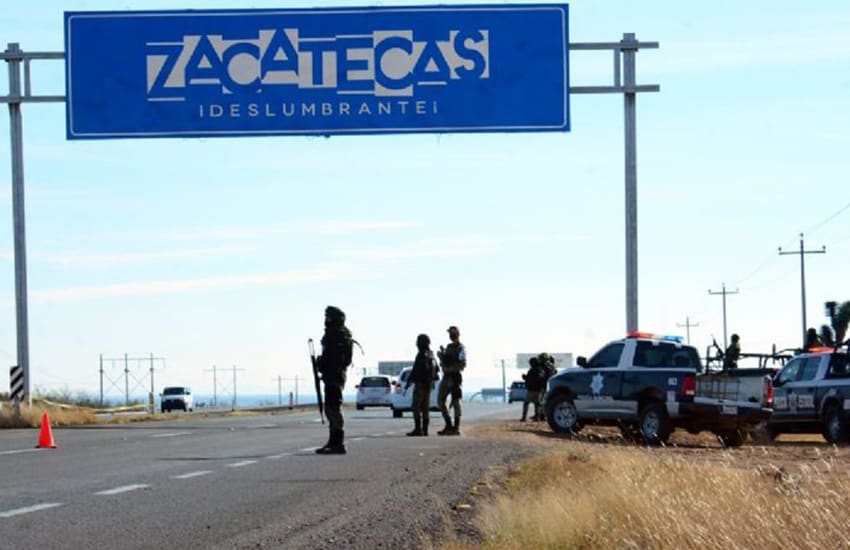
(324, 449)
(447, 430)
(417, 427)
(455, 427)
(336, 445)
(425, 425)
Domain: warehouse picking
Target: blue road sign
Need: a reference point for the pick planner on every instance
(484, 68)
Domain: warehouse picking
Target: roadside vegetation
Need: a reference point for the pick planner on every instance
(590, 496)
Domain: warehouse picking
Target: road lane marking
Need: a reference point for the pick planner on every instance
(356, 438)
(192, 474)
(389, 433)
(275, 457)
(174, 434)
(376, 435)
(240, 464)
(122, 489)
(17, 451)
(307, 449)
(28, 509)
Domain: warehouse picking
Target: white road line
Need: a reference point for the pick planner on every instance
(192, 474)
(240, 464)
(281, 455)
(376, 435)
(28, 509)
(307, 449)
(389, 433)
(18, 451)
(356, 438)
(122, 489)
(175, 434)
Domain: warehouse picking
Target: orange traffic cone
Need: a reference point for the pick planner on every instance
(45, 438)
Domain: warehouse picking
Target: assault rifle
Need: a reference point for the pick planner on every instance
(315, 363)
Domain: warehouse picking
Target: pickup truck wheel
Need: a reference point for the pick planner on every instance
(654, 423)
(732, 438)
(835, 429)
(562, 415)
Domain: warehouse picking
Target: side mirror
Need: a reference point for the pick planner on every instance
(581, 361)
(356, 386)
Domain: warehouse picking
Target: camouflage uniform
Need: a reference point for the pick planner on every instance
(732, 354)
(335, 358)
(453, 361)
(533, 384)
(422, 377)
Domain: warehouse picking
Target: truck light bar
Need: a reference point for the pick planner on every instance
(653, 336)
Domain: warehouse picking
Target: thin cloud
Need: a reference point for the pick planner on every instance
(331, 272)
(78, 260)
(447, 248)
(322, 227)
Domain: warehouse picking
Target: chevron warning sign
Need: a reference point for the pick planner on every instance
(16, 383)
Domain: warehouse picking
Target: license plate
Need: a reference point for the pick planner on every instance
(729, 409)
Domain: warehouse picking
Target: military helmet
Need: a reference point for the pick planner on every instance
(335, 314)
(423, 341)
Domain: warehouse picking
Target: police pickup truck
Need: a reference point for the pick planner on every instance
(812, 395)
(648, 385)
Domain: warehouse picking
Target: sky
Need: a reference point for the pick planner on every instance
(225, 251)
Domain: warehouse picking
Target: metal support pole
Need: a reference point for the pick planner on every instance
(504, 386)
(126, 380)
(234, 387)
(152, 398)
(18, 214)
(629, 48)
(101, 380)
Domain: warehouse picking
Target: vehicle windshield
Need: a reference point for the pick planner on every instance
(174, 391)
(375, 382)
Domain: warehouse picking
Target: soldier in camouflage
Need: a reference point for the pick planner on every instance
(336, 357)
(422, 377)
(453, 362)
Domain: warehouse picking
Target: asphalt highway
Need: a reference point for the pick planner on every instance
(239, 482)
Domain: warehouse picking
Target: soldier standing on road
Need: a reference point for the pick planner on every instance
(422, 377)
(453, 361)
(533, 382)
(547, 362)
(732, 354)
(333, 363)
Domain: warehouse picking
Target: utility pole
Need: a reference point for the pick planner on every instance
(215, 387)
(234, 386)
(504, 389)
(688, 326)
(723, 292)
(802, 252)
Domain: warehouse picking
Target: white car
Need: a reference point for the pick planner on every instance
(176, 397)
(403, 399)
(374, 391)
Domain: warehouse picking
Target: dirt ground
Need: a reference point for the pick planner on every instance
(788, 453)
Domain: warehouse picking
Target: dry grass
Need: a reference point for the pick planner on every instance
(590, 496)
(31, 417)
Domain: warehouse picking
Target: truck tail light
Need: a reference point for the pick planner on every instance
(768, 392)
(689, 386)
(398, 387)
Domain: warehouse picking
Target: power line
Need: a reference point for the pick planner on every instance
(828, 219)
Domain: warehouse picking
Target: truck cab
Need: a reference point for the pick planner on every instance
(812, 395)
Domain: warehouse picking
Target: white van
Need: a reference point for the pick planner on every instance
(403, 399)
(176, 397)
